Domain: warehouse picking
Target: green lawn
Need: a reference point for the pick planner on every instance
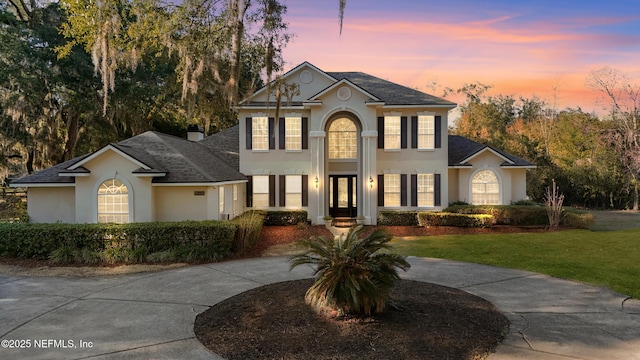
(609, 258)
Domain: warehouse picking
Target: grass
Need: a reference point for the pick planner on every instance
(604, 258)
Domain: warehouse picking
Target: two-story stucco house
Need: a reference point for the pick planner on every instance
(347, 144)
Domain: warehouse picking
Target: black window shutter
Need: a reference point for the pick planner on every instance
(414, 132)
(249, 132)
(438, 126)
(403, 189)
(283, 190)
(282, 133)
(380, 132)
(272, 135)
(403, 132)
(414, 189)
(272, 190)
(305, 133)
(305, 190)
(249, 191)
(381, 190)
(436, 189)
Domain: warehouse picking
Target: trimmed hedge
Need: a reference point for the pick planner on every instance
(204, 240)
(398, 218)
(452, 219)
(285, 217)
(525, 215)
(518, 215)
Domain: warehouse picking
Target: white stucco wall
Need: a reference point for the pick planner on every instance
(513, 183)
(174, 203)
(51, 204)
(110, 165)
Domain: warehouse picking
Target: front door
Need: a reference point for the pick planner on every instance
(342, 195)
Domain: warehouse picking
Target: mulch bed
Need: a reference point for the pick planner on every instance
(428, 322)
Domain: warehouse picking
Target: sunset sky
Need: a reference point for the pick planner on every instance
(520, 47)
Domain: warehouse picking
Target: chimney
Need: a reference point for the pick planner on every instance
(195, 133)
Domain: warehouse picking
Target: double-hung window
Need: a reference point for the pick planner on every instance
(261, 191)
(426, 132)
(293, 186)
(260, 133)
(293, 133)
(426, 190)
(392, 190)
(392, 132)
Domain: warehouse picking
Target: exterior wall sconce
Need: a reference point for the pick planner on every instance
(370, 182)
(316, 181)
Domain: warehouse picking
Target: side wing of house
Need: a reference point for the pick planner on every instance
(482, 175)
(150, 177)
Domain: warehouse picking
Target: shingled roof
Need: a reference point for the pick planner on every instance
(461, 149)
(381, 90)
(182, 161)
(389, 92)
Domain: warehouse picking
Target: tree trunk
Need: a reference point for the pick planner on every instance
(30, 158)
(636, 197)
(238, 9)
(71, 139)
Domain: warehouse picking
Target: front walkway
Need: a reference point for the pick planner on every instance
(151, 315)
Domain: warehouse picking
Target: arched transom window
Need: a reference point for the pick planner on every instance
(485, 189)
(343, 139)
(113, 202)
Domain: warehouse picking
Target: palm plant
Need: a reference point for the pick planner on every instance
(353, 275)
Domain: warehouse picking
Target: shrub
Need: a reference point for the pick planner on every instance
(579, 220)
(13, 209)
(398, 218)
(452, 219)
(113, 242)
(288, 217)
(249, 224)
(353, 275)
(517, 215)
(525, 202)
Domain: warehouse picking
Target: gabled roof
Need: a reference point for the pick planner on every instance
(380, 90)
(389, 92)
(461, 150)
(339, 83)
(168, 159)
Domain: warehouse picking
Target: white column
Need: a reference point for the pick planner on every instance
(369, 168)
(317, 170)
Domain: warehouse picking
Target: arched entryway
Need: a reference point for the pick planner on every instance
(342, 160)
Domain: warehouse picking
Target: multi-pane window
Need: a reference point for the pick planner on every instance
(235, 199)
(293, 186)
(426, 132)
(485, 189)
(260, 133)
(293, 133)
(221, 199)
(392, 132)
(426, 193)
(261, 191)
(343, 139)
(391, 189)
(113, 202)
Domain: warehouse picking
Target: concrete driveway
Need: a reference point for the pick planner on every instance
(151, 315)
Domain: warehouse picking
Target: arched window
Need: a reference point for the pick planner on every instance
(113, 202)
(485, 189)
(343, 139)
